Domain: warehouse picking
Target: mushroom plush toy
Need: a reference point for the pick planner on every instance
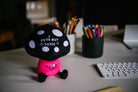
(48, 43)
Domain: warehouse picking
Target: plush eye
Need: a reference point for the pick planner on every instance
(57, 33)
(54, 65)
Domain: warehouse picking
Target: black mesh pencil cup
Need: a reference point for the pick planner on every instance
(92, 48)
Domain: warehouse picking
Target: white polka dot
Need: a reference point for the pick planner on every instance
(56, 49)
(45, 49)
(57, 33)
(65, 43)
(40, 32)
(32, 44)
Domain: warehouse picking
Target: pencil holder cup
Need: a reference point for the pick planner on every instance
(72, 40)
(92, 48)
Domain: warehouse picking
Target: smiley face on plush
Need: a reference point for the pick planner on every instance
(48, 43)
(49, 68)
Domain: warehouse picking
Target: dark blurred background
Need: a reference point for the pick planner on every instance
(15, 25)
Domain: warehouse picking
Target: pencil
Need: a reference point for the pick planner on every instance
(67, 31)
(57, 24)
(76, 22)
(72, 25)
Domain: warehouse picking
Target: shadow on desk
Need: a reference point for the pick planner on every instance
(78, 49)
(116, 36)
(96, 68)
(33, 69)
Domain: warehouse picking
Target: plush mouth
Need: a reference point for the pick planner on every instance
(51, 68)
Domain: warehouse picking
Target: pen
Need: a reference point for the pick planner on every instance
(94, 33)
(86, 32)
(98, 33)
(83, 30)
(89, 26)
(96, 26)
(90, 33)
(102, 31)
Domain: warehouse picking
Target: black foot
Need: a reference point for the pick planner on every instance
(41, 77)
(63, 74)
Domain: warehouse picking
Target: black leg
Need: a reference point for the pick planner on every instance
(42, 77)
(63, 74)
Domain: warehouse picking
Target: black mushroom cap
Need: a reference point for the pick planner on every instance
(47, 42)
